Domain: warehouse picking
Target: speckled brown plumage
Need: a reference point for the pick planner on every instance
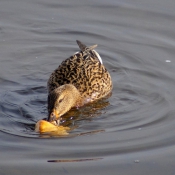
(85, 71)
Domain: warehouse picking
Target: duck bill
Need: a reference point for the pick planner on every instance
(54, 116)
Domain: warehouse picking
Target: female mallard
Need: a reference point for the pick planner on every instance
(80, 79)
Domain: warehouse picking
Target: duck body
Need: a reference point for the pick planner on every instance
(82, 78)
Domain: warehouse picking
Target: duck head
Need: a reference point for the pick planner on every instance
(61, 100)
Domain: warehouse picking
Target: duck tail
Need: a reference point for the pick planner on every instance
(83, 47)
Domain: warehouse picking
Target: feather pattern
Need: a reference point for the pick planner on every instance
(85, 71)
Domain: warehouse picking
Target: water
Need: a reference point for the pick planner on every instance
(132, 132)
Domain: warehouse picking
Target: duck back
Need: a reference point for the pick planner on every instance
(86, 72)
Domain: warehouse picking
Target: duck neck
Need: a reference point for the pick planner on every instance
(78, 101)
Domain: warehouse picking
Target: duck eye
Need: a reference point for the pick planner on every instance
(60, 100)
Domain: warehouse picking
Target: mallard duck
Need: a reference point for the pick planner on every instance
(80, 79)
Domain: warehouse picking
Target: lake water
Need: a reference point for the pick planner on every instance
(132, 132)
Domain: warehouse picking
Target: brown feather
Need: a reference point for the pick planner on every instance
(84, 71)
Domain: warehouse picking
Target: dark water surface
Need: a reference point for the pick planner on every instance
(133, 132)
